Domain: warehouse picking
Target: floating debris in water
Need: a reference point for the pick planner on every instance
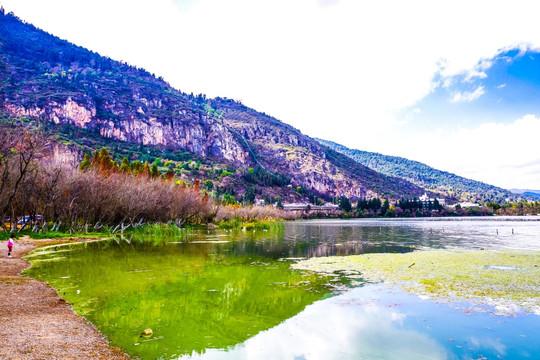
(502, 267)
(292, 259)
(210, 242)
(147, 332)
(154, 339)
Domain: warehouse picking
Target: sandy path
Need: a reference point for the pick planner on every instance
(35, 323)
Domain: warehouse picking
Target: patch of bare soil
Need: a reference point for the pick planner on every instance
(36, 323)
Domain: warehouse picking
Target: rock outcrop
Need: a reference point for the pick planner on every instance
(51, 80)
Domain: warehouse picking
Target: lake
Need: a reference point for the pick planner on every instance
(233, 295)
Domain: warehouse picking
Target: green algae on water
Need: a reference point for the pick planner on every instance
(507, 280)
(195, 295)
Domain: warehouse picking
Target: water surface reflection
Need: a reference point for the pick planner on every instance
(374, 322)
(229, 295)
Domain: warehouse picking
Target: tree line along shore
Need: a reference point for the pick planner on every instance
(103, 195)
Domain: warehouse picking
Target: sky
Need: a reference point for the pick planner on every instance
(453, 84)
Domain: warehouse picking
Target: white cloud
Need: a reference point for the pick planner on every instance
(475, 74)
(346, 326)
(467, 96)
(501, 154)
(501, 86)
(327, 2)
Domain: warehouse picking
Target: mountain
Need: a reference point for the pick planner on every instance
(528, 192)
(87, 101)
(424, 176)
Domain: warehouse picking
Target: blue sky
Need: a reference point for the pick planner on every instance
(453, 84)
(502, 89)
(486, 120)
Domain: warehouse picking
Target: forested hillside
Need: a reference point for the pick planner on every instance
(425, 176)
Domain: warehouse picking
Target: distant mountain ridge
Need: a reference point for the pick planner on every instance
(420, 174)
(528, 192)
(67, 87)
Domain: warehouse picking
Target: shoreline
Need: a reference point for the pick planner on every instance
(35, 322)
(498, 218)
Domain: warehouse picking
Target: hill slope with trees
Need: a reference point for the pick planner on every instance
(87, 100)
(428, 178)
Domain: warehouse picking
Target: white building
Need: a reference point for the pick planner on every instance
(425, 199)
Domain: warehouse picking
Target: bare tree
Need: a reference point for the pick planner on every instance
(19, 149)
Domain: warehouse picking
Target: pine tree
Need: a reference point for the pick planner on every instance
(209, 185)
(145, 170)
(136, 167)
(385, 207)
(345, 204)
(125, 168)
(154, 172)
(86, 163)
(105, 161)
(96, 161)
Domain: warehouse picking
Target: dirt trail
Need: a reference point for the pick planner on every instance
(36, 323)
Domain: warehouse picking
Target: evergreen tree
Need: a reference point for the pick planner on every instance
(361, 204)
(154, 173)
(145, 170)
(385, 207)
(209, 185)
(96, 161)
(345, 204)
(136, 167)
(105, 161)
(250, 195)
(86, 163)
(124, 167)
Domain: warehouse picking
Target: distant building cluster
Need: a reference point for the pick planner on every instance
(426, 200)
(309, 207)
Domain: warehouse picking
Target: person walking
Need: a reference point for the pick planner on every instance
(10, 244)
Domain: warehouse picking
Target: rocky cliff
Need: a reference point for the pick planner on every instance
(51, 80)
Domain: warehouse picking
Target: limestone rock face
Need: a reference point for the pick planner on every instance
(63, 154)
(286, 150)
(202, 135)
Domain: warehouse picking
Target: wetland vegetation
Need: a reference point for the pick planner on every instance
(507, 280)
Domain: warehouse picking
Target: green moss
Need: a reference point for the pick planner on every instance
(505, 279)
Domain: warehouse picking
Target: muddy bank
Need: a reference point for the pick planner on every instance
(36, 323)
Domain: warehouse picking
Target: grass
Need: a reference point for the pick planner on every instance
(154, 231)
(157, 231)
(252, 224)
(54, 235)
(507, 280)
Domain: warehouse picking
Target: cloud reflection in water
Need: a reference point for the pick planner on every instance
(354, 325)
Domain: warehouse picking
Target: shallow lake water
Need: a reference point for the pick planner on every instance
(233, 295)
